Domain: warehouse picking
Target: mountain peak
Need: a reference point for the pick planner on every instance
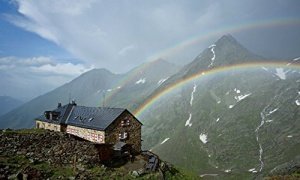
(225, 51)
(161, 61)
(228, 38)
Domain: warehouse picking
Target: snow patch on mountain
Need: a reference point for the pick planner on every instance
(109, 90)
(238, 98)
(272, 111)
(253, 170)
(141, 81)
(241, 97)
(227, 170)
(188, 122)
(264, 68)
(164, 140)
(280, 73)
(237, 90)
(192, 94)
(203, 138)
(162, 80)
(227, 92)
(296, 59)
(213, 175)
(212, 49)
(297, 102)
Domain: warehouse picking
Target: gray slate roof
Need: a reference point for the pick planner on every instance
(98, 118)
(64, 112)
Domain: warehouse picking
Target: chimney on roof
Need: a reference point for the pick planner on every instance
(73, 102)
(58, 105)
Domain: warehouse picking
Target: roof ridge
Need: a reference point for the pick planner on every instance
(101, 107)
(69, 114)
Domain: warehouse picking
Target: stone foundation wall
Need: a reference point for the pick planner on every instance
(87, 134)
(46, 125)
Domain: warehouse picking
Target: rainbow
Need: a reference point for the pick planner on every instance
(129, 78)
(202, 37)
(206, 73)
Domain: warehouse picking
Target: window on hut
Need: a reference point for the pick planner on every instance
(55, 115)
(123, 136)
(125, 122)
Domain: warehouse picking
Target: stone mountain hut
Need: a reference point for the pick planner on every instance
(100, 125)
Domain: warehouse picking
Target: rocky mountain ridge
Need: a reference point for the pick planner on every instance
(238, 122)
(8, 103)
(98, 87)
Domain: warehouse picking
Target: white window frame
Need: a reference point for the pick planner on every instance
(123, 135)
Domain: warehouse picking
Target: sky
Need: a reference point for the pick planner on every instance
(44, 44)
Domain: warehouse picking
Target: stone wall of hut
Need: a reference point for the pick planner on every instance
(125, 123)
(87, 134)
(46, 125)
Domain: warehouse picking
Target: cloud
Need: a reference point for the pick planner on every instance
(61, 69)
(42, 65)
(34, 61)
(30, 77)
(101, 32)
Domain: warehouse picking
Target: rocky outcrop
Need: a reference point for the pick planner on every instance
(25, 155)
(52, 147)
(44, 154)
